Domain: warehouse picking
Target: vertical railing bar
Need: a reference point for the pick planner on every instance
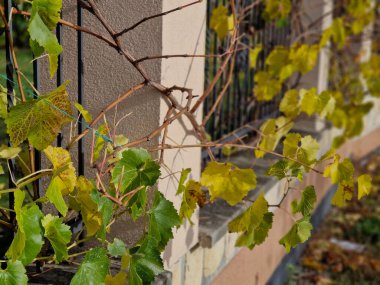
(80, 88)
(10, 88)
(59, 72)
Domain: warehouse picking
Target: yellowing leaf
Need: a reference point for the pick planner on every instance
(304, 57)
(81, 200)
(277, 9)
(219, 21)
(272, 131)
(309, 101)
(86, 114)
(119, 279)
(364, 185)
(277, 59)
(338, 32)
(99, 143)
(339, 171)
(228, 182)
(266, 86)
(253, 54)
(289, 103)
(8, 152)
(308, 200)
(342, 194)
(3, 102)
(326, 104)
(39, 120)
(303, 149)
(192, 195)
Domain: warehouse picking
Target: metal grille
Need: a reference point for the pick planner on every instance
(239, 109)
(11, 87)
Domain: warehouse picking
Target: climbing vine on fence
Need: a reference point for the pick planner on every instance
(125, 172)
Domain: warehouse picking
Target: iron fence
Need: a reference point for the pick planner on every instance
(239, 110)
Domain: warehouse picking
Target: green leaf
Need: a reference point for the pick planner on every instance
(54, 194)
(49, 10)
(14, 274)
(219, 21)
(162, 218)
(33, 233)
(117, 248)
(253, 54)
(86, 114)
(279, 169)
(326, 104)
(105, 208)
(227, 181)
(253, 225)
(135, 169)
(308, 200)
(93, 269)
(18, 244)
(299, 233)
(8, 152)
(42, 39)
(364, 185)
(145, 263)
(39, 120)
(58, 234)
(342, 194)
(181, 184)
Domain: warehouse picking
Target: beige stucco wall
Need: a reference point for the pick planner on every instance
(183, 32)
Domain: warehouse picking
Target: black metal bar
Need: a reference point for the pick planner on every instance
(10, 88)
(59, 72)
(80, 89)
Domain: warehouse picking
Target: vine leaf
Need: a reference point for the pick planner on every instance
(191, 195)
(117, 248)
(339, 171)
(18, 243)
(266, 86)
(271, 133)
(119, 279)
(304, 57)
(39, 120)
(253, 54)
(277, 9)
(64, 178)
(135, 169)
(44, 18)
(93, 269)
(338, 32)
(9, 152)
(105, 208)
(162, 218)
(307, 202)
(303, 149)
(58, 234)
(253, 225)
(81, 200)
(145, 263)
(14, 274)
(85, 113)
(99, 143)
(299, 233)
(29, 237)
(219, 21)
(342, 194)
(288, 103)
(364, 185)
(227, 181)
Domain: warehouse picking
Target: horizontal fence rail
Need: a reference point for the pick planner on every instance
(239, 110)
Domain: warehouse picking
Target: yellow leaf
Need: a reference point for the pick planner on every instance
(219, 21)
(86, 114)
(364, 185)
(119, 279)
(227, 181)
(342, 195)
(253, 54)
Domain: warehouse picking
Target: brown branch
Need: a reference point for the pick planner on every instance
(154, 16)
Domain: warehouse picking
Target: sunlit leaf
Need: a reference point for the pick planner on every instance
(307, 202)
(14, 274)
(227, 181)
(299, 233)
(364, 185)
